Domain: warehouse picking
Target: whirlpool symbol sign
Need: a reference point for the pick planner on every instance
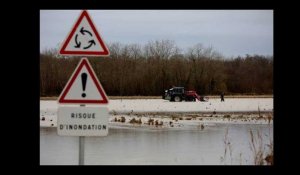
(84, 39)
(91, 42)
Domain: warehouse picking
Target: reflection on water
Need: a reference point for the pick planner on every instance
(57, 150)
(125, 146)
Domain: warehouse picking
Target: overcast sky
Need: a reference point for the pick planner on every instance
(230, 32)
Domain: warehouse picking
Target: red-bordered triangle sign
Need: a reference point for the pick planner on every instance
(83, 87)
(84, 39)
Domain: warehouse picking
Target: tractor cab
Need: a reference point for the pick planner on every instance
(174, 94)
(178, 94)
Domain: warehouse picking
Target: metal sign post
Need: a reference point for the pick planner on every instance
(81, 150)
(81, 146)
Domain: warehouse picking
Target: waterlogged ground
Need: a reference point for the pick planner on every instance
(159, 132)
(241, 109)
(158, 146)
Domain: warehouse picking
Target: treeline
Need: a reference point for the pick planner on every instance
(136, 70)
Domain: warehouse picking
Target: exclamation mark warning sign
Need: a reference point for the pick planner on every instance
(83, 79)
(83, 87)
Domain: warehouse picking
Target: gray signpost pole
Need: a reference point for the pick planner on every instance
(81, 146)
(81, 150)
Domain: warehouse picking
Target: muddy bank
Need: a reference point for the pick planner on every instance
(173, 120)
(187, 120)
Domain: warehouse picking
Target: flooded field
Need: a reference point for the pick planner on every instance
(158, 146)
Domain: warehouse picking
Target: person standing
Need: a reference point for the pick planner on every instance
(222, 96)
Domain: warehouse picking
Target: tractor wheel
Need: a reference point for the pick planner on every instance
(177, 99)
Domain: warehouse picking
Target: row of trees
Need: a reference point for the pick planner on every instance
(136, 70)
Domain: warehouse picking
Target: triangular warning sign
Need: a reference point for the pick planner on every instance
(83, 87)
(84, 39)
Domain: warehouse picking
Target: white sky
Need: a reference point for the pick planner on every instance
(231, 32)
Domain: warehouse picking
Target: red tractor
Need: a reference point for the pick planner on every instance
(179, 94)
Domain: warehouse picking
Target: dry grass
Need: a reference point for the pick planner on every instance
(240, 116)
(261, 156)
(269, 117)
(228, 148)
(257, 147)
(150, 121)
(226, 116)
(270, 155)
(135, 121)
(123, 119)
(158, 123)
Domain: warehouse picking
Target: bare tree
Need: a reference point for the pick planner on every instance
(163, 49)
(115, 50)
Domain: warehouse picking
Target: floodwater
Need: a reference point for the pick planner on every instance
(155, 146)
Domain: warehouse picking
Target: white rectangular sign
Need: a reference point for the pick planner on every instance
(82, 121)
